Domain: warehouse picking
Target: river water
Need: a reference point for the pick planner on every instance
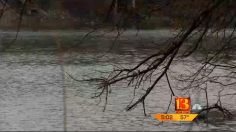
(33, 77)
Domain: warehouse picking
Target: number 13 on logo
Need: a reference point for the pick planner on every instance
(182, 105)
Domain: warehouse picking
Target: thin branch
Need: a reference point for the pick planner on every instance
(169, 84)
(19, 25)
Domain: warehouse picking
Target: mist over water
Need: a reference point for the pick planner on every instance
(32, 84)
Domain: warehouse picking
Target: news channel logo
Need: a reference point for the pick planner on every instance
(184, 111)
(184, 105)
(196, 107)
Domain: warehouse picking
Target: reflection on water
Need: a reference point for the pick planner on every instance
(31, 86)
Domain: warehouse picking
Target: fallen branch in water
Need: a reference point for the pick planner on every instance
(217, 107)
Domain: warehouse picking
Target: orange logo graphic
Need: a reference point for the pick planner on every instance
(182, 112)
(182, 105)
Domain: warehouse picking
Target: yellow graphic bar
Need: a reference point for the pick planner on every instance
(175, 117)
